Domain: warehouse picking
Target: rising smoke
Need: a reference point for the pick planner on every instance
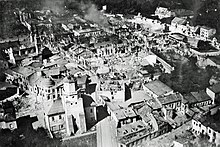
(57, 6)
(83, 7)
(196, 5)
(94, 15)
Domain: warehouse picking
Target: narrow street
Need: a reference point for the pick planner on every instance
(106, 136)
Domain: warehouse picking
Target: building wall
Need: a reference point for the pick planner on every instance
(90, 113)
(198, 129)
(45, 94)
(105, 50)
(74, 111)
(127, 121)
(210, 63)
(57, 123)
(211, 94)
(114, 96)
(163, 12)
(149, 92)
(206, 33)
(73, 106)
(178, 28)
(8, 125)
(175, 105)
(184, 107)
(138, 141)
(112, 116)
(204, 103)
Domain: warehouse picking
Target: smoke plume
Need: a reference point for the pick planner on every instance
(56, 6)
(83, 7)
(197, 4)
(94, 15)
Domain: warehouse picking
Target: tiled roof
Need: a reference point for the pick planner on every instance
(25, 71)
(113, 106)
(56, 108)
(201, 96)
(215, 59)
(215, 88)
(170, 98)
(205, 27)
(124, 113)
(196, 97)
(133, 132)
(45, 82)
(143, 112)
(137, 97)
(158, 88)
(33, 78)
(52, 71)
(179, 21)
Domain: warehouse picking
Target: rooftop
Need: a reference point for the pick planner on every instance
(170, 98)
(134, 131)
(158, 88)
(102, 43)
(111, 85)
(178, 20)
(86, 54)
(52, 71)
(114, 105)
(196, 97)
(212, 121)
(25, 71)
(215, 59)
(215, 88)
(201, 96)
(125, 113)
(82, 79)
(205, 27)
(143, 112)
(138, 97)
(56, 108)
(130, 128)
(45, 82)
(189, 98)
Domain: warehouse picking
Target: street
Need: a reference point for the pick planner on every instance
(106, 136)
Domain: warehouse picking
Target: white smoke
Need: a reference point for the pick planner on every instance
(94, 15)
(85, 7)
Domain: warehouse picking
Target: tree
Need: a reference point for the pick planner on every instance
(202, 141)
(27, 138)
(187, 77)
(204, 45)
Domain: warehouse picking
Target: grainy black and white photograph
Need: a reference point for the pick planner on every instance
(109, 73)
